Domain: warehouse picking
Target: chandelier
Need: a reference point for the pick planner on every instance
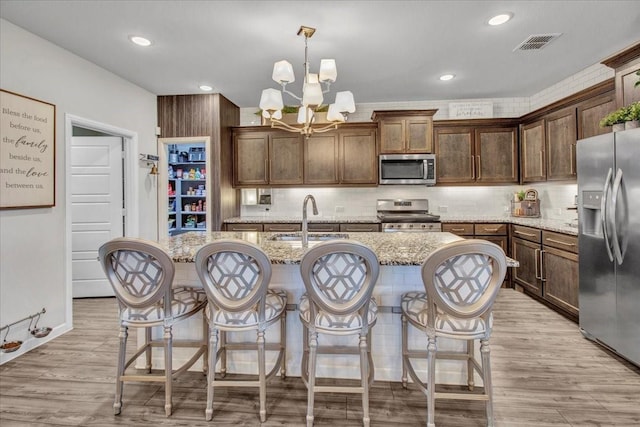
(312, 97)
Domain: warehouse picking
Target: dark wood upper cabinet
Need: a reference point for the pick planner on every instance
(358, 157)
(496, 151)
(455, 160)
(251, 157)
(321, 159)
(561, 138)
(346, 156)
(486, 153)
(285, 158)
(591, 111)
(405, 131)
(532, 152)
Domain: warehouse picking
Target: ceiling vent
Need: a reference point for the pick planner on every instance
(537, 41)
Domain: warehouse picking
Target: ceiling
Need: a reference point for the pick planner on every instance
(385, 51)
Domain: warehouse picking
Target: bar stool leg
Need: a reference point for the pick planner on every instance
(147, 340)
(261, 377)
(168, 342)
(122, 360)
(205, 338)
(404, 350)
(486, 379)
(431, 380)
(223, 354)
(470, 367)
(313, 347)
(211, 371)
(364, 379)
(283, 340)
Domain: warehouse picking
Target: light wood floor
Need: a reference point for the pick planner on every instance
(545, 374)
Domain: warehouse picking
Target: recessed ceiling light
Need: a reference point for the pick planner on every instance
(446, 77)
(500, 19)
(140, 41)
(205, 88)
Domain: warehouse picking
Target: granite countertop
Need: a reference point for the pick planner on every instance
(392, 249)
(296, 219)
(557, 225)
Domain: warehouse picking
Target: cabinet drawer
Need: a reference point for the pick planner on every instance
(244, 227)
(323, 228)
(359, 227)
(527, 233)
(282, 227)
(490, 229)
(461, 229)
(560, 241)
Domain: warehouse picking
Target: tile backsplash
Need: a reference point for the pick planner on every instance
(444, 201)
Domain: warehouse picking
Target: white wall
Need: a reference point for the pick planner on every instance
(32, 241)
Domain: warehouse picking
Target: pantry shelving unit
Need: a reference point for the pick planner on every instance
(187, 193)
(183, 186)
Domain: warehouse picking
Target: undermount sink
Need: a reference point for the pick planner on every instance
(312, 237)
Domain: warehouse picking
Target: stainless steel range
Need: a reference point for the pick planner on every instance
(407, 215)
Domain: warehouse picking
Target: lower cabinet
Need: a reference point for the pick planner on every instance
(243, 227)
(318, 227)
(359, 227)
(525, 248)
(548, 266)
(280, 227)
(559, 270)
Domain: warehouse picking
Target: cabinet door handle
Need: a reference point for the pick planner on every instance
(319, 229)
(283, 229)
(479, 168)
(573, 169)
(266, 170)
(473, 168)
(524, 234)
(537, 255)
(245, 229)
(560, 242)
(491, 230)
(542, 266)
(458, 229)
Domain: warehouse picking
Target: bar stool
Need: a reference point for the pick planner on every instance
(339, 277)
(141, 274)
(462, 280)
(235, 275)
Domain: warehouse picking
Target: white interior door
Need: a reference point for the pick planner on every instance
(97, 213)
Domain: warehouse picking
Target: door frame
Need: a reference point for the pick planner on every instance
(131, 192)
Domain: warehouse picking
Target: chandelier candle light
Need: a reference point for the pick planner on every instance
(312, 95)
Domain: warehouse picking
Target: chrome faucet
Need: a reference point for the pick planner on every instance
(305, 228)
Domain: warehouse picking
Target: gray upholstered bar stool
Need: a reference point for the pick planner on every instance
(462, 280)
(141, 274)
(339, 277)
(235, 275)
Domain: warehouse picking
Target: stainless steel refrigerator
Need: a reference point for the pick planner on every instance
(609, 240)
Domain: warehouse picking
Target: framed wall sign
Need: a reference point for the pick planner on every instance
(27, 152)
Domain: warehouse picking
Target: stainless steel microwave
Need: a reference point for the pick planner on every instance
(408, 169)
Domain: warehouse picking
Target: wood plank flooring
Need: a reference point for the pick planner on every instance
(545, 374)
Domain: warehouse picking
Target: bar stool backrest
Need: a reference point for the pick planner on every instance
(463, 278)
(139, 271)
(235, 274)
(339, 276)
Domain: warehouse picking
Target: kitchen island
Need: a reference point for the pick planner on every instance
(400, 256)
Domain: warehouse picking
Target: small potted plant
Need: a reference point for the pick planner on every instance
(633, 116)
(615, 119)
